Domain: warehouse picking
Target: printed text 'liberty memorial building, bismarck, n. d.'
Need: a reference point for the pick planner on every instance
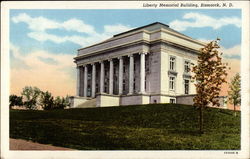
(149, 64)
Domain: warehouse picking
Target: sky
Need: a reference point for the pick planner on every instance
(43, 43)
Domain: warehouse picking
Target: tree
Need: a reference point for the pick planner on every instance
(209, 74)
(46, 100)
(15, 100)
(30, 95)
(234, 96)
(61, 103)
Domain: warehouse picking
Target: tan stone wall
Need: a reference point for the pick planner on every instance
(165, 99)
(134, 100)
(188, 99)
(75, 101)
(107, 100)
(153, 75)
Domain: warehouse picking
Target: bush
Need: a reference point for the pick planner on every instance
(61, 103)
(15, 100)
(46, 100)
(34, 96)
(31, 95)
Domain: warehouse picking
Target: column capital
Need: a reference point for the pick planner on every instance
(110, 59)
(84, 65)
(131, 55)
(100, 62)
(79, 66)
(145, 53)
(120, 57)
(92, 64)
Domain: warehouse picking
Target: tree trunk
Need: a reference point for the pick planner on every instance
(201, 120)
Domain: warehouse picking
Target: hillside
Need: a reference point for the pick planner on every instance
(148, 127)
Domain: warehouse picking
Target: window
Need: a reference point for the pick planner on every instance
(134, 83)
(96, 87)
(172, 100)
(124, 84)
(106, 85)
(106, 72)
(88, 92)
(172, 63)
(186, 86)
(147, 64)
(89, 76)
(186, 66)
(171, 83)
(124, 68)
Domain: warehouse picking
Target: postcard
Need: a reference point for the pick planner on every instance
(125, 79)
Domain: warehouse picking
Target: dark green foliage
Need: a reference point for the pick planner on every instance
(33, 97)
(150, 127)
(15, 100)
(61, 103)
(46, 100)
(234, 95)
(30, 95)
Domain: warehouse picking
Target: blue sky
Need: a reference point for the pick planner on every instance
(47, 35)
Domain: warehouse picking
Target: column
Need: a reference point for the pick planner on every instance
(77, 81)
(142, 73)
(102, 77)
(131, 74)
(93, 80)
(120, 75)
(85, 81)
(111, 75)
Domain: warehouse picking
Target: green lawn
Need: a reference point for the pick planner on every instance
(149, 127)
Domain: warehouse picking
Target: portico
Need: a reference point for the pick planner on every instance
(88, 70)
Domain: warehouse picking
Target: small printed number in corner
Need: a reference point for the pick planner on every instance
(230, 153)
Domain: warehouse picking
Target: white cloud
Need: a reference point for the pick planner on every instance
(113, 29)
(36, 24)
(79, 26)
(80, 40)
(57, 77)
(232, 52)
(201, 20)
(39, 26)
(32, 59)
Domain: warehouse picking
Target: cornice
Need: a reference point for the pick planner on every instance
(133, 43)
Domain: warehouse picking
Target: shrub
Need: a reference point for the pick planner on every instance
(46, 100)
(30, 95)
(15, 100)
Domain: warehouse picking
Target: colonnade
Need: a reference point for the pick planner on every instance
(111, 76)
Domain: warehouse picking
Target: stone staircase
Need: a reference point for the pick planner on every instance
(91, 103)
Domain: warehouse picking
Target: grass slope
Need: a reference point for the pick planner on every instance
(148, 127)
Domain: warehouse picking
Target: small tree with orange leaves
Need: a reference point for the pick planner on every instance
(209, 74)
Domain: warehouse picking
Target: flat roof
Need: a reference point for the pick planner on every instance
(132, 30)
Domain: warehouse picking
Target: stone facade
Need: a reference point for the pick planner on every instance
(145, 65)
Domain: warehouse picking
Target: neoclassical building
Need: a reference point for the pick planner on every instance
(149, 64)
